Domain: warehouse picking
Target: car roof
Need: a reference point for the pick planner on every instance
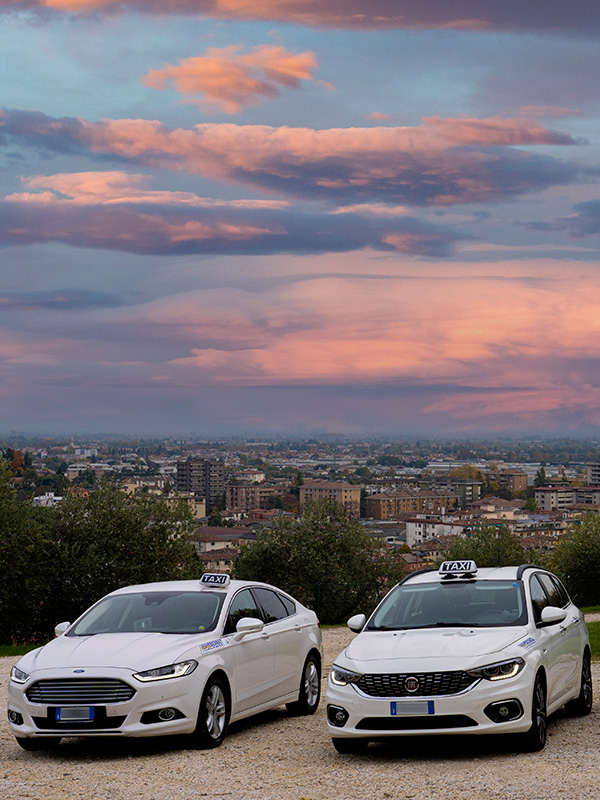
(482, 574)
(191, 586)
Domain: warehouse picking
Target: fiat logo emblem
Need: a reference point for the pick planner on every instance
(411, 684)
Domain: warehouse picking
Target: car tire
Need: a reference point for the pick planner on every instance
(348, 746)
(535, 738)
(310, 688)
(41, 743)
(582, 705)
(213, 716)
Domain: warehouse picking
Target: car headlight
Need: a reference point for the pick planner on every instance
(170, 671)
(18, 676)
(342, 677)
(499, 671)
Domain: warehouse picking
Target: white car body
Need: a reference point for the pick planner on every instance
(136, 681)
(480, 662)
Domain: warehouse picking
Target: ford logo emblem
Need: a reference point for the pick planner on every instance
(78, 670)
(411, 684)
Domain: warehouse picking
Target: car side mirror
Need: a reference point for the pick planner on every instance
(61, 628)
(357, 623)
(551, 615)
(247, 625)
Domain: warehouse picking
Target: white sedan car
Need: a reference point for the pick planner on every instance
(180, 657)
(462, 650)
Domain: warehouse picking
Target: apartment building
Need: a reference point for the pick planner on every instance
(202, 477)
(551, 498)
(512, 480)
(467, 490)
(344, 494)
(245, 497)
(395, 505)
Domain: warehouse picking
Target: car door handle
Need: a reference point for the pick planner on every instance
(265, 636)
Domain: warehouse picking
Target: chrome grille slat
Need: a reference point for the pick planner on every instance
(79, 691)
(430, 684)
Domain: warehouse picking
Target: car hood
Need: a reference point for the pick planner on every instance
(135, 651)
(438, 643)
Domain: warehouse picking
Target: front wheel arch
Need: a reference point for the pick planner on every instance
(214, 709)
(309, 693)
(535, 738)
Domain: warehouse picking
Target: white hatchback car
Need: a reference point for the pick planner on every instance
(462, 650)
(180, 657)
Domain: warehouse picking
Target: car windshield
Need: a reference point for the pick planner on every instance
(492, 603)
(152, 612)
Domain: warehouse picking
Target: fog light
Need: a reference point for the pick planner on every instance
(166, 714)
(504, 711)
(15, 717)
(337, 716)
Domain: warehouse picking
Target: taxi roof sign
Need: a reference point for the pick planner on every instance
(458, 569)
(215, 579)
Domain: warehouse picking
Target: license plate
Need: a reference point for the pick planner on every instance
(74, 714)
(412, 708)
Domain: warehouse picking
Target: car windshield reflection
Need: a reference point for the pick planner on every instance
(478, 604)
(152, 612)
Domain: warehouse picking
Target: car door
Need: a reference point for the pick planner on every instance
(554, 643)
(570, 631)
(253, 682)
(288, 640)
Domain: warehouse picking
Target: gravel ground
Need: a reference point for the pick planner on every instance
(277, 757)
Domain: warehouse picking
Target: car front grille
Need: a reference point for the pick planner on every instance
(79, 691)
(416, 723)
(430, 684)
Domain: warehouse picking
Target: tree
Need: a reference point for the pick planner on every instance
(57, 562)
(576, 560)
(540, 477)
(23, 562)
(488, 547)
(325, 558)
(216, 519)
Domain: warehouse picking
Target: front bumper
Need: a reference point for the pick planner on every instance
(374, 717)
(137, 716)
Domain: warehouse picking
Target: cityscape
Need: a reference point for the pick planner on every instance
(415, 497)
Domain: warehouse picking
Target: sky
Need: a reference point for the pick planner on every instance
(226, 217)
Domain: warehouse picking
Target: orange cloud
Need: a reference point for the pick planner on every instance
(230, 81)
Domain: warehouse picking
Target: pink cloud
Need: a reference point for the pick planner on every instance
(440, 162)
(533, 15)
(110, 210)
(230, 81)
(486, 334)
(107, 188)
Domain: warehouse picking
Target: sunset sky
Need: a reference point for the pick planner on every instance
(289, 216)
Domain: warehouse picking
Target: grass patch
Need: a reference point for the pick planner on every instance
(594, 631)
(16, 649)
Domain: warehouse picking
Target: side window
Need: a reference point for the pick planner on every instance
(539, 599)
(561, 590)
(552, 591)
(242, 605)
(272, 605)
(290, 606)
